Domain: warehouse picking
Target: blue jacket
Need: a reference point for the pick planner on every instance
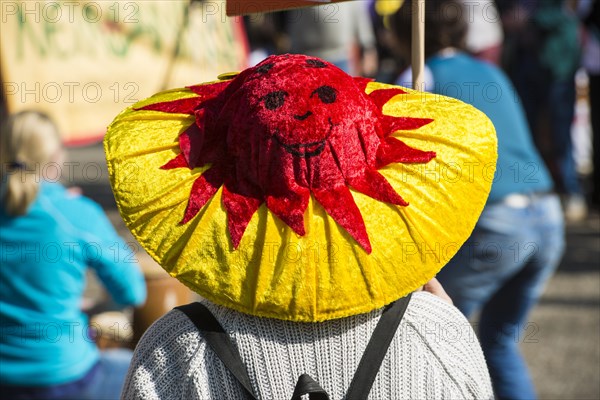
(44, 336)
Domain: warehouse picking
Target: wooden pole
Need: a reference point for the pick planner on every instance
(418, 43)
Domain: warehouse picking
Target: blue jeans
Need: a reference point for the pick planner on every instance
(110, 377)
(501, 270)
(104, 381)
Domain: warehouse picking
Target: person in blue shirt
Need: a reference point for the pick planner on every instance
(519, 239)
(49, 237)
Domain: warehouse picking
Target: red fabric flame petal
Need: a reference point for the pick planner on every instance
(393, 150)
(373, 184)
(208, 91)
(240, 209)
(340, 205)
(382, 96)
(190, 143)
(177, 162)
(202, 190)
(180, 106)
(392, 124)
(290, 209)
(212, 147)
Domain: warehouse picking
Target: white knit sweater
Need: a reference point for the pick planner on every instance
(434, 355)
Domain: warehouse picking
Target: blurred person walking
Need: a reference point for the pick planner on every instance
(589, 11)
(49, 236)
(485, 34)
(541, 55)
(519, 239)
(340, 33)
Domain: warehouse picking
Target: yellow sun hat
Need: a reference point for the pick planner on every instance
(294, 191)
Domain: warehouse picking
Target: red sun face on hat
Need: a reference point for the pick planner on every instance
(287, 128)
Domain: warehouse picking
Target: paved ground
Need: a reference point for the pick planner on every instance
(563, 348)
(562, 340)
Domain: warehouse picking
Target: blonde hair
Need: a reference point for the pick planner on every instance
(28, 141)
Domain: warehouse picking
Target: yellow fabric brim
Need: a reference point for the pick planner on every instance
(324, 274)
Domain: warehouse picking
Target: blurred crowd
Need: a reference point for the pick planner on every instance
(549, 49)
(532, 66)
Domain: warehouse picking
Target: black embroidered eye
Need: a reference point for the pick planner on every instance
(314, 63)
(274, 100)
(263, 69)
(327, 94)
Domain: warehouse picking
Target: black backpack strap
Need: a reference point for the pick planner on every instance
(363, 379)
(308, 386)
(376, 349)
(220, 343)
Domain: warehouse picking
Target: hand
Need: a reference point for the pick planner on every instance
(435, 287)
(74, 191)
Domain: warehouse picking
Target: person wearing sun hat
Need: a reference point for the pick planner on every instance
(305, 206)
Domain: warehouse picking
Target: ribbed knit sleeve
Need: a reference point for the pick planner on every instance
(434, 355)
